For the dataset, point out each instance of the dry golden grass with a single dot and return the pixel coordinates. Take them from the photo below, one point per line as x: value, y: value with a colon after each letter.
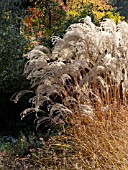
x: 90, y: 143
x: 102, y: 142
x: 94, y: 144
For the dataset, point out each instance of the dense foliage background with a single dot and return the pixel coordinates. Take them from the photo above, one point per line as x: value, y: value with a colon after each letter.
x: 11, y: 62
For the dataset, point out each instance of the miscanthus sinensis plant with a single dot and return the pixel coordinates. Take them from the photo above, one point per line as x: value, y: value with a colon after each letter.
x: 89, y: 63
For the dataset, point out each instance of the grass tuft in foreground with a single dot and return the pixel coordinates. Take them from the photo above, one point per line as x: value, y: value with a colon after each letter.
x: 88, y: 143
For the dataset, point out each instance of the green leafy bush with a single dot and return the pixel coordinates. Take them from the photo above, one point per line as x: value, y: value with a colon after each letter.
x: 12, y: 46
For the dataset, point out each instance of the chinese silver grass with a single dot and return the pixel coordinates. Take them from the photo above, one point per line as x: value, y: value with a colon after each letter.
x: 86, y: 55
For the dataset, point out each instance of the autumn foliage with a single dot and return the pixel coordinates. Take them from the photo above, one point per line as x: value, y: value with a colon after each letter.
x: 46, y: 18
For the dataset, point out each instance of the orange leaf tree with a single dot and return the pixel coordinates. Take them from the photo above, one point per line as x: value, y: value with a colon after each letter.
x: 44, y: 19
x: 50, y: 18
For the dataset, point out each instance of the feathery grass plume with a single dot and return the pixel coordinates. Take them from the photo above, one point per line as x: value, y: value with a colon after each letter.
x: 87, y: 64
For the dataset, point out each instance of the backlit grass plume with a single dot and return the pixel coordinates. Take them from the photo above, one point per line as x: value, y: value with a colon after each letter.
x: 88, y: 64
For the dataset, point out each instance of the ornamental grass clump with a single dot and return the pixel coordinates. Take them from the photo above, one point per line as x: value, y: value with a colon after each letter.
x: 86, y: 67
x: 81, y: 93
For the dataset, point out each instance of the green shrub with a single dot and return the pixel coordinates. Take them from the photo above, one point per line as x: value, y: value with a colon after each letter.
x: 12, y: 46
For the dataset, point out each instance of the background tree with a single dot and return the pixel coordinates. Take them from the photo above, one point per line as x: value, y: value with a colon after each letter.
x: 100, y: 9
x: 52, y: 18
x: 121, y: 6
x: 12, y: 47
x: 45, y: 20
